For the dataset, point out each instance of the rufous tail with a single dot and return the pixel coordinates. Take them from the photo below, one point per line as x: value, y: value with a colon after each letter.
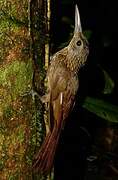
x: 43, y: 161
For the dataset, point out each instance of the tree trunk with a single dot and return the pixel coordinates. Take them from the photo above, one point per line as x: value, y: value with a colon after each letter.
x: 21, y: 70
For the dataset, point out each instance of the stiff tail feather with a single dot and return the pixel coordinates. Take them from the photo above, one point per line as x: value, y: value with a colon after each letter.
x: 43, y: 161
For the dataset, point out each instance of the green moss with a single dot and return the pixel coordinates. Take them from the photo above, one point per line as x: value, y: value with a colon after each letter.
x: 15, y: 81
x: 2, y: 155
x: 1, y: 164
x: 20, y: 119
x: 14, y: 176
x: 8, y: 112
x: 17, y: 77
x: 4, y: 25
x: 20, y: 135
x: 14, y: 11
x: 29, y: 159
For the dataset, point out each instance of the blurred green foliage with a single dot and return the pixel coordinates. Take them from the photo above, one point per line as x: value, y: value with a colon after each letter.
x: 102, y: 109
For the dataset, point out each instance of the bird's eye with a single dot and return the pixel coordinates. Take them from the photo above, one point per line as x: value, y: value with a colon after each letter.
x: 79, y: 43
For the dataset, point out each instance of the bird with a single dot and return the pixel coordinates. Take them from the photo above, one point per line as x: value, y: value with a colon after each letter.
x: 62, y: 86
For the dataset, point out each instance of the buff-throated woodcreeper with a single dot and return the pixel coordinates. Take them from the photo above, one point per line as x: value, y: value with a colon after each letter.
x: 62, y: 83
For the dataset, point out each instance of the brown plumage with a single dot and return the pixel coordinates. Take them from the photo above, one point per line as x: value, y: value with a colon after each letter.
x: 62, y: 83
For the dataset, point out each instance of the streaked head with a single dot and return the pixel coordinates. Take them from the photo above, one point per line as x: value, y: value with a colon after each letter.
x: 78, y: 46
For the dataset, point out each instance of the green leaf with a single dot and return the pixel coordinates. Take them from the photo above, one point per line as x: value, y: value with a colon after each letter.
x: 102, y: 109
x: 109, y: 83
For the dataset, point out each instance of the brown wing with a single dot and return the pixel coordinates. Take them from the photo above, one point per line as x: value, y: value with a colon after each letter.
x: 63, y: 87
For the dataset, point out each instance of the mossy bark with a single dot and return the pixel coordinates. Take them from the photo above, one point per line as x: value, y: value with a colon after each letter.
x: 21, y: 125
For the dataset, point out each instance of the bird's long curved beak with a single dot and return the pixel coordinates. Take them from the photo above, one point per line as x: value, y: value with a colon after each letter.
x: 78, y: 27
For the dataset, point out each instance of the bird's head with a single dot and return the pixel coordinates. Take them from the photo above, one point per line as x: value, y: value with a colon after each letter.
x: 78, y: 46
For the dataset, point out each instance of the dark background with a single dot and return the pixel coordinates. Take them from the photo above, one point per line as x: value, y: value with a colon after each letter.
x: 82, y: 130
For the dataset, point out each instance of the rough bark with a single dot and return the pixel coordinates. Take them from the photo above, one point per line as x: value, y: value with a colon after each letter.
x: 21, y: 124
